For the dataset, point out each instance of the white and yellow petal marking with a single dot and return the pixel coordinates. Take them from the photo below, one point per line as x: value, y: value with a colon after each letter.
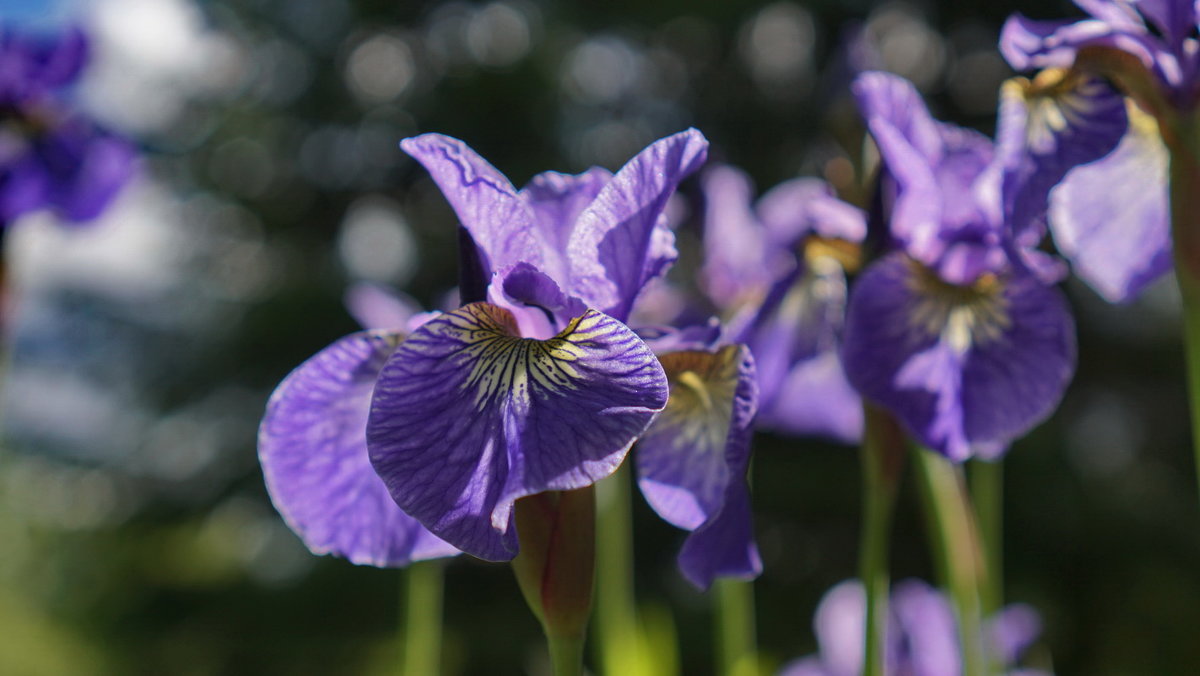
x: 963, y: 315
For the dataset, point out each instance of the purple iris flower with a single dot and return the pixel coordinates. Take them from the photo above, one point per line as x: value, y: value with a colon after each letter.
x: 1159, y: 33
x: 49, y: 156
x: 313, y: 445
x: 542, y: 386
x: 1110, y: 218
x: 921, y: 639
x: 692, y: 461
x: 777, y: 271
x: 962, y: 340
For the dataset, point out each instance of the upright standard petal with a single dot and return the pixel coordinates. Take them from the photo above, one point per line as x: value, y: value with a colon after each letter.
x: 692, y: 461
x: 467, y: 417
x: 965, y: 368
x: 313, y: 448
x: 612, y: 249
x: 501, y: 223
x: 736, y: 264
x: 1111, y: 218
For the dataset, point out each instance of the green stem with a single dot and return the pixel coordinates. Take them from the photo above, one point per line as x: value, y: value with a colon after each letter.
x: 956, y: 547
x: 735, y: 627
x: 882, y: 459
x: 987, y: 492
x: 423, y: 618
x: 1185, y: 234
x: 616, y: 612
x: 566, y: 655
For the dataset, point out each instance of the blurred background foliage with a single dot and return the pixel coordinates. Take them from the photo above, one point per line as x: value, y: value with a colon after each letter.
x: 136, y: 534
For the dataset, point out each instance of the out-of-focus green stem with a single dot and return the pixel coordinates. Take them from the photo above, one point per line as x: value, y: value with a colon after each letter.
x: 566, y: 655
x: 423, y: 583
x: 882, y: 460
x: 1182, y: 141
x: 616, y: 612
x: 956, y: 547
x: 736, y: 643
x: 987, y: 493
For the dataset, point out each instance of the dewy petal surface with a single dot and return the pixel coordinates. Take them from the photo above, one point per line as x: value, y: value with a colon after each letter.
x: 313, y: 448
x: 1111, y: 218
x: 692, y: 461
x: 962, y: 368
x: 467, y: 417
x: 614, y: 250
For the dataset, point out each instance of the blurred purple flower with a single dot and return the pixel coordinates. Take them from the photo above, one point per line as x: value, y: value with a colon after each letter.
x: 965, y: 342
x: 692, y: 461
x: 777, y: 271
x: 1159, y: 33
x: 1111, y: 218
x: 51, y: 157
x: 921, y: 639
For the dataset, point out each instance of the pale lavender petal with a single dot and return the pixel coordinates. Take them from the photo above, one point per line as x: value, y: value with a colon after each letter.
x: 802, y: 207
x: 1013, y: 630
x: 930, y: 634
x: 313, y: 448
x: 808, y: 666
x: 891, y: 99
x: 735, y: 247
x: 376, y: 307
x: 795, y: 339
x: 614, y: 250
x: 1111, y: 218
x: 839, y: 624
x: 958, y: 366
x: 816, y: 399
x: 499, y: 220
x: 467, y: 417
x: 557, y: 200
x: 936, y: 216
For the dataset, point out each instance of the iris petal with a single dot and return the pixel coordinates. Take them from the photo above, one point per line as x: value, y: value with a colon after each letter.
x: 614, y: 250
x: 964, y: 369
x: 467, y: 417
x: 313, y: 449
x: 692, y: 461
x: 1111, y: 217
x: 501, y: 223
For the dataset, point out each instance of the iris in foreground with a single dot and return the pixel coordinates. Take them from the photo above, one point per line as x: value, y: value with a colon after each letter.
x: 487, y: 425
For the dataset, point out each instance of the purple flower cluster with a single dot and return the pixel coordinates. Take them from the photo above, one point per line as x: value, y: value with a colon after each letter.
x: 540, y: 387
x: 921, y: 639
x: 51, y: 157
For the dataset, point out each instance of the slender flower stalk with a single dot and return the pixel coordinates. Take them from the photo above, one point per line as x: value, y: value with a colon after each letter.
x: 987, y: 493
x: 1185, y: 231
x: 736, y: 628
x: 616, y: 613
x: 555, y: 569
x: 423, y: 583
x: 882, y: 461
x: 955, y: 541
